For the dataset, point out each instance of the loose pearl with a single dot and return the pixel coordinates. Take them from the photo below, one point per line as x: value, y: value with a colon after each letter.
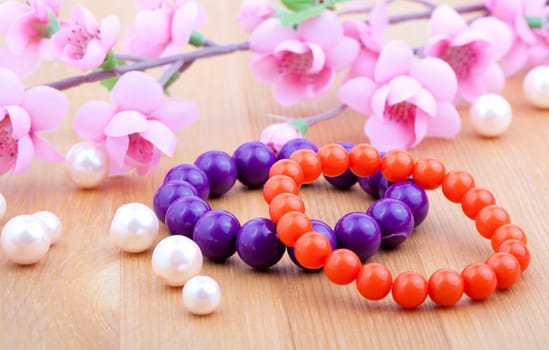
x: 490, y: 115
x: 51, y: 223
x: 3, y: 206
x: 24, y: 240
x: 134, y: 227
x: 87, y: 165
x: 201, y: 295
x: 176, y: 259
x: 536, y: 86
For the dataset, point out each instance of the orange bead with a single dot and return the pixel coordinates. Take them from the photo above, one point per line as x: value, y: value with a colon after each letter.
x: 410, y: 290
x: 289, y: 168
x: 285, y: 203
x: 364, y: 160
x: 479, y: 281
x: 334, y: 159
x: 445, y: 287
x: 397, y: 165
x: 475, y: 200
x: 291, y: 226
x: 342, y: 266
x: 278, y: 184
x: 309, y: 162
x: 374, y: 281
x: 505, y: 233
x: 506, y: 267
x: 490, y: 219
x: 456, y: 183
x: 518, y: 250
x: 429, y: 173
x: 312, y: 249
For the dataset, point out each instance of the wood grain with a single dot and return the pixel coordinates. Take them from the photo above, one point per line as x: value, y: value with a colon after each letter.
x: 87, y: 295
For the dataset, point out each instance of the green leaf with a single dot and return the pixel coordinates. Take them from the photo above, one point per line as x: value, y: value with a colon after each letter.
x: 300, y: 124
x: 298, y: 5
x: 53, y: 25
x: 109, y: 82
x: 109, y: 63
x: 293, y: 19
x: 196, y: 39
x: 534, y: 22
x: 170, y: 81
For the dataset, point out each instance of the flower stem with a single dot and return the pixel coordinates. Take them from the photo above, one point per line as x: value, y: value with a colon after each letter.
x: 129, y: 57
x: 427, y: 14
x: 425, y: 3
x: 144, y: 65
x: 325, y: 116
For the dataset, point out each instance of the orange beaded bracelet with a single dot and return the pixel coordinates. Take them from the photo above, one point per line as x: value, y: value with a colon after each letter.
x: 373, y: 280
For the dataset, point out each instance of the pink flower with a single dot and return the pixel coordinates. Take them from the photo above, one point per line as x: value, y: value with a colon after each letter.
x: 22, y: 115
x: 138, y: 126
x: 82, y: 42
x: 161, y: 24
x: 371, y: 37
x: 25, y: 28
x: 406, y: 100
x: 276, y: 135
x: 301, y: 63
x: 253, y: 13
x: 472, y: 52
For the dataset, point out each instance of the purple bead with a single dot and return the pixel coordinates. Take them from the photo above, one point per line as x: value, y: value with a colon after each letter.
x: 258, y: 245
x: 183, y: 214
x: 383, y: 185
x: 294, y: 145
x: 360, y: 233
x: 370, y: 184
x: 168, y: 193
x: 253, y: 161
x: 395, y: 220
x: 325, y: 230
x: 215, y: 233
x: 345, y: 180
x: 414, y: 197
x: 193, y: 175
x: 220, y: 169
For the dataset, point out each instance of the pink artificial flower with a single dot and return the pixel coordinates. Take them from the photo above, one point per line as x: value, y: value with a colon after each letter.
x: 22, y: 115
x: 162, y: 24
x: 301, y: 63
x: 25, y: 28
x: 253, y: 13
x: 138, y: 126
x: 472, y: 52
x: 406, y: 100
x: 371, y: 37
x: 513, y: 12
x: 276, y: 135
x: 82, y: 42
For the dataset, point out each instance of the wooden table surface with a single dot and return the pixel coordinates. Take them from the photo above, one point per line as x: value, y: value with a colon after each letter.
x: 87, y: 295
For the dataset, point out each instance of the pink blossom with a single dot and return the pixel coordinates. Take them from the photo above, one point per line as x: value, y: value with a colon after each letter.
x: 138, y: 126
x: 406, y: 100
x: 301, y: 63
x: 84, y: 43
x: 26, y: 32
x: 472, y: 52
x: 22, y: 115
x: 161, y: 25
x: 276, y: 135
x: 253, y: 13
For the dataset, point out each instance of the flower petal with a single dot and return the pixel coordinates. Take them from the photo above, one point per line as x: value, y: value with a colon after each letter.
x: 126, y: 123
x: 140, y: 46
x: 145, y: 169
x: 379, y: 101
x: 437, y: 77
x: 93, y: 57
x: 110, y: 31
x: 9, y: 11
x: 425, y: 101
x: 289, y: 91
x: 357, y: 94
x: 446, y: 21
x: 386, y: 134
x: 45, y: 151
x: 364, y: 65
x: 21, y: 32
x: 343, y: 54
x: 83, y: 17
x: 23, y: 65
x: 175, y: 113
x: 20, y: 121
x: 294, y: 46
x: 420, y: 127
x: 269, y: 34
x: 447, y: 122
x: 319, y: 58
x: 91, y: 119
x: 161, y: 137
x: 25, y: 153
x: 499, y: 33
x: 116, y: 148
x: 470, y: 89
x: 515, y: 59
x: 12, y: 91
x: 324, y: 30
x: 322, y: 82
x: 46, y: 106
x: 402, y: 88
x: 137, y: 91
x: 153, y: 26
x: 265, y: 68
x: 494, y: 78
x: 183, y: 23
x: 395, y: 59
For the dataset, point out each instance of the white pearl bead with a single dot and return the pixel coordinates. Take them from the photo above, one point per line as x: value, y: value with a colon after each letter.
x: 24, y: 240
x: 51, y: 223
x: 490, y: 115
x: 176, y: 259
x: 134, y: 228
x: 201, y: 295
x: 536, y: 86
x: 3, y: 206
x: 87, y: 164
